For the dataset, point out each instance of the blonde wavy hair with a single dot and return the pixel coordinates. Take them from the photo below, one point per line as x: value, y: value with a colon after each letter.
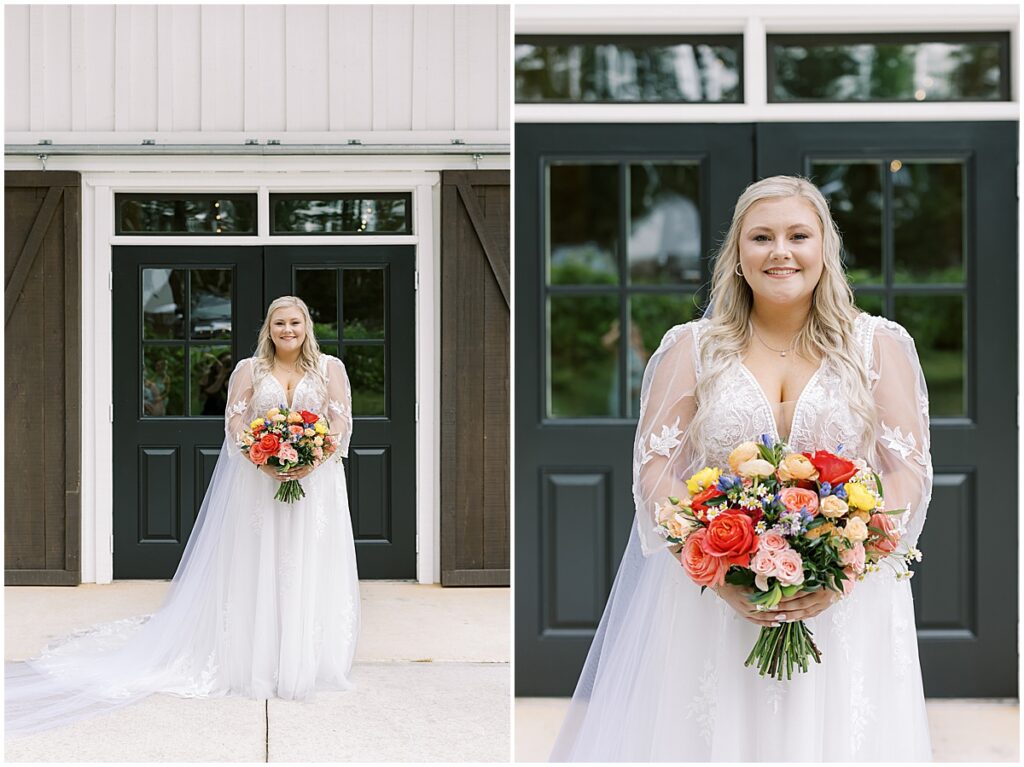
x: 828, y: 333
x: 309, y: 354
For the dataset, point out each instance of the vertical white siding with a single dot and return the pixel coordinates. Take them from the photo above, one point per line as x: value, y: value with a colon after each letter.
x: 256, y: 68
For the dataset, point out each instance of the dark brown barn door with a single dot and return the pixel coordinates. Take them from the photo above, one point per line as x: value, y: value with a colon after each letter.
x: 475, y: 295
x: 42, y: 279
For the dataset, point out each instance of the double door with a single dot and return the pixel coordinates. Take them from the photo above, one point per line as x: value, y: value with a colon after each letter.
x: 617, y: 226
x: 183, y: 317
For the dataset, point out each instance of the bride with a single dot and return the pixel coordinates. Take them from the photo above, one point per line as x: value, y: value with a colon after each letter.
x: 782, y: 351
x: 265, y: 601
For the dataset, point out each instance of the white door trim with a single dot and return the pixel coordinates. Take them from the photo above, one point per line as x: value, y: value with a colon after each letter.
x: 98, y: 239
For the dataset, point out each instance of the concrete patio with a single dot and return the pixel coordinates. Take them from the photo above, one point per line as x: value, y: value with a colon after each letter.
x: 432, y: 676
x: 962, y: 730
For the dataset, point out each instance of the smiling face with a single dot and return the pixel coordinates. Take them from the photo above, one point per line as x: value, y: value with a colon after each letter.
x: 781, y: 250
x: 287, y: 329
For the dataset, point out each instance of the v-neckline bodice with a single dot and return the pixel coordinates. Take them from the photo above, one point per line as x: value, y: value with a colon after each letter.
x: 284, y: 390
x: 767, y: 403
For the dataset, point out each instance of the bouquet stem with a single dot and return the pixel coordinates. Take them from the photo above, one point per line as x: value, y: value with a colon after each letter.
x: 289, y: 491
x: 779, y: 648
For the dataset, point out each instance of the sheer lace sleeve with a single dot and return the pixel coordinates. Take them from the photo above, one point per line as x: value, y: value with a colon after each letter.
x: 662, y: 452
x: 339, y: 403
x: 902, y: 443
x: 237, y: 414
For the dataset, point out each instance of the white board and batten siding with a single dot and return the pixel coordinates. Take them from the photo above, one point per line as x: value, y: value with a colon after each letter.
x: 227, y: 73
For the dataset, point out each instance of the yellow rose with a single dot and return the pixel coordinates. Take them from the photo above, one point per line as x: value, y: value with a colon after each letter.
x: 796, y: 466
x: 272, y: 412
x: 833, y: 506
x: 294, y: 417
x: 745, y: 452
x: 678, y: 526
x: 855, y: 531
x: 756, y: 467
x: 859, y: 497
x: 278, y: 418
x: 309, y: 432
x: 702, y: 480
x: 320, y: 427
x: 257, y: 422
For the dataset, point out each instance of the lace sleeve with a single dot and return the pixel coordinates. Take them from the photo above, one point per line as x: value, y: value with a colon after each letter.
x: 662, y: 452
x: 239, y: 407
x: 902, y: 442
x: 339, y: 403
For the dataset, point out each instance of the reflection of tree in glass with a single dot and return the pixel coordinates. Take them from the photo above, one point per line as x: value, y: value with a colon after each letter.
x: 890, y: 71
x: 365, y: 367
x: 854, y: 194
x: 928, y: 221
x: 651, y: 315
x: 582, y: 366
x: 583, y: 223
x: 936, y: 324
x: 187, y: 215
x: 825, y: 72
x: 976, y: 70
x: 348, y: 214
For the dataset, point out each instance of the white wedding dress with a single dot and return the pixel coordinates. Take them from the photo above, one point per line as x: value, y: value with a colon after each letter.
x: 665, y: 680
x: 265, y: 601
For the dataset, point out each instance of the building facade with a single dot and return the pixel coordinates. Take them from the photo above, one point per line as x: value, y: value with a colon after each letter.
x: 179, y: 167
x: 636, y: 130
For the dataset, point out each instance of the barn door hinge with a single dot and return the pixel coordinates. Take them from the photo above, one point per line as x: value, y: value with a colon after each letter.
x: 417, y: 412
x: 110, y: 411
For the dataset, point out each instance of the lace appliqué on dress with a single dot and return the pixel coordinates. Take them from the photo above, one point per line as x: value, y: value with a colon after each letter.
x: 704, y: 707
x: 662, y: 444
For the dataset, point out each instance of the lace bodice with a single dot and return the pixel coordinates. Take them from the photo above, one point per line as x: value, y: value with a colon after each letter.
x: 330, y: 394
x: 666, y: 451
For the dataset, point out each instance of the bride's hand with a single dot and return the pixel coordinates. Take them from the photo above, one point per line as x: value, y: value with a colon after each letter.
x: 807, y: 604
x: 298, y: 472
x: 271, y: 471
x: 737, y: 597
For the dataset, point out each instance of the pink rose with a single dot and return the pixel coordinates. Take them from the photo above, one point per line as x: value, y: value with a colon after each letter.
x: 257, y: 454
x: 886, y: 543
x: 763, y: 565
x: 287, y: 453
x: 796, y: 498
x: 318, y: 453
x: 849, y: 581
x: 789, y: 567
x: 773, y: 542
x: 702, y: 567
x: 853, y: 558
x: 295, y: 430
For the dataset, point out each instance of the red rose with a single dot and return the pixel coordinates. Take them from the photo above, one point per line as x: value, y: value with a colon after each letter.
x: 732, y: 537
x: 701, y: 566
x: 269, y: 443
x: 831, y: 468
x: 308, y: 417
x: 697, y: 503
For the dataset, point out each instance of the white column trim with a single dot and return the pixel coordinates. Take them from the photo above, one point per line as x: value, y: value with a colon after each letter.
x: 98, y: 188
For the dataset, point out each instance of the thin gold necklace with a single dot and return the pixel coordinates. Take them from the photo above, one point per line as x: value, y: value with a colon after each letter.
x: 780, y: 352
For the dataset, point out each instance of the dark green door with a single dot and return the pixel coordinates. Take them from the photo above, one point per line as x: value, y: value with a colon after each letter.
x: 928, y: 215
x: 607, y: 239
x: 183, y: 316
x: 929, y: 220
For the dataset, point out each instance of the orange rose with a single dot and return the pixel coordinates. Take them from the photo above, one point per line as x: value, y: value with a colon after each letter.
x: 703, y: 568
x: 731, y: 537
x: 257, y: 454
x: 796, y: 498
x: 886, y: 542
x: 270, y: 443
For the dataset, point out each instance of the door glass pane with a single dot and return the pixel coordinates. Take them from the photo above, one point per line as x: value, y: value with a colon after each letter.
x: 185, y: 214
x: 365, y: 368
x: 210, y: 368
x: 163, y: 303
x: 937, y: 326
x: 342, y: 213
x: 210, y: 298
x: 897, y: 67
x: 583, y: 356
x: 363, y: 303
x: 319, y: 289
x: 651, y: 315
x: 928, y: 221
x: 583, y: 224
x: 645, y: 69
x: 163, y: 380
x: 664, y: 223
x: 854, y: 191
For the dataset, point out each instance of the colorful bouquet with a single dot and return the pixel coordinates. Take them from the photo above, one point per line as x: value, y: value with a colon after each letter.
x: 288, y: 439
x: 779, y: 523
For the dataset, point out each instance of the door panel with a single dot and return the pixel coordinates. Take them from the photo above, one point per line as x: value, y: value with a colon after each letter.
x: 943, y: 263
x: 607, y: 240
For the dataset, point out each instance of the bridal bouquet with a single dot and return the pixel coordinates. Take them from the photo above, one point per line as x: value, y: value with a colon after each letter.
x: 288, y: 439
x: 779, y: 523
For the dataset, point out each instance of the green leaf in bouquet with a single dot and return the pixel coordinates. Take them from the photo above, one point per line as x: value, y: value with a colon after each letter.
x: 717, y: 501
x: 816, y: 522
x: 894, y: 512
x: 878, y: 484
x: 673, y: 500
x: 788, y: 591
x: 738, y: 576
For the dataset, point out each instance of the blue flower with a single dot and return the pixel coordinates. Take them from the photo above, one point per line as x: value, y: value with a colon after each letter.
x: 840, y: 492
x: 839, y: 448
x: 766, y: 440
x: 826, y: 489
x: 725, y: 483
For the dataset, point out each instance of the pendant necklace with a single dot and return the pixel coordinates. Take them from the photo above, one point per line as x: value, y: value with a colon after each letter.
x: 780, y: 352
